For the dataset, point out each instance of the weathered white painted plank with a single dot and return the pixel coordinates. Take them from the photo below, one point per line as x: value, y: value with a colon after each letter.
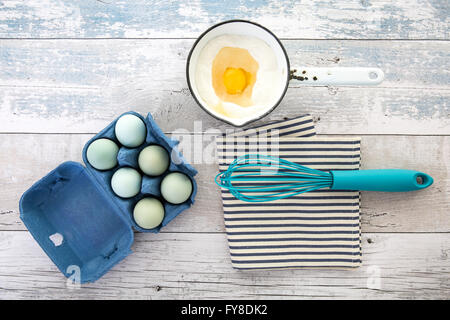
x: 79, y: 86
x: 196, y: 266
x: 161, y: 63
x: 25, y: 158
x: 337, y: 111
x: 312, y: 19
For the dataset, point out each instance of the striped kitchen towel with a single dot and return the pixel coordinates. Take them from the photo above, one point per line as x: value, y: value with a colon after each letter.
x: 314, y: 229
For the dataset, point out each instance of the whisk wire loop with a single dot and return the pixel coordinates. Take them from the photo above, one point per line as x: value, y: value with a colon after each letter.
x: 260, y: 178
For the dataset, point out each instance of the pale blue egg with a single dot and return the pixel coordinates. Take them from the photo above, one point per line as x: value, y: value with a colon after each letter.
x: 126, y: 182
x: 176, y: 187
x: 153, y: 160
x: 148, y: 213
x: 102, y: 154
x: 130, y: 130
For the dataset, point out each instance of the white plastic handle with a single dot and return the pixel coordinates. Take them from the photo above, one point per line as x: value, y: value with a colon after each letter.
x: 337, y: 76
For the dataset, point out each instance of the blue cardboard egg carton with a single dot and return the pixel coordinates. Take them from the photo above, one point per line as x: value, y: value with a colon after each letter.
x: 78, y: 204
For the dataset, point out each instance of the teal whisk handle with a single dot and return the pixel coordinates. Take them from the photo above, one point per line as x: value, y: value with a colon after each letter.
x: 380, y: 180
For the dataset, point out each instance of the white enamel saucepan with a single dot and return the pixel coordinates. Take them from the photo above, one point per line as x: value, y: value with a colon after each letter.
x: 307, y: 76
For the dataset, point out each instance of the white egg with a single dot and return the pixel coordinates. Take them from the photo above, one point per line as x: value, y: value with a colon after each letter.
x: 176, y: 187
x: 148, y: 213
x: 126, y: 182
x: 153, y: 160
x: 102, y: 154
x: 130, y: 131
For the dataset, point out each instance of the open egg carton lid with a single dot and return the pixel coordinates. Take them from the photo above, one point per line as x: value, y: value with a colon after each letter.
x: 77, y: 219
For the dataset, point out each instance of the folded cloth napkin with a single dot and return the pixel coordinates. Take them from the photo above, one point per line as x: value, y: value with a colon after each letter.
x: 314, y: 229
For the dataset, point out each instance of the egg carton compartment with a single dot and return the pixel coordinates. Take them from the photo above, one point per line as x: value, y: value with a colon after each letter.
x: 150, y: 186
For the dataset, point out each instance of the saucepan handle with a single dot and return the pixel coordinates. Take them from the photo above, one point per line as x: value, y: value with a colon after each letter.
x: 337, y: 76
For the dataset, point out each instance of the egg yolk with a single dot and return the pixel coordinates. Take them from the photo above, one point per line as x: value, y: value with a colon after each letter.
x: 234, y: 75
x: 235, y: 80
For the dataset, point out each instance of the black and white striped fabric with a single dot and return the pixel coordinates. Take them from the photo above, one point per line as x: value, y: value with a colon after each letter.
x: 314, y: 229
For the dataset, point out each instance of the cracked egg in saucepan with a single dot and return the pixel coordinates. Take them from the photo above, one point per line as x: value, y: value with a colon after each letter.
x: 238, y: 76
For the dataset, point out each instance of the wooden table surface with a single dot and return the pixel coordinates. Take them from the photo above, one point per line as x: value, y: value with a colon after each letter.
x: 67, y: 68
